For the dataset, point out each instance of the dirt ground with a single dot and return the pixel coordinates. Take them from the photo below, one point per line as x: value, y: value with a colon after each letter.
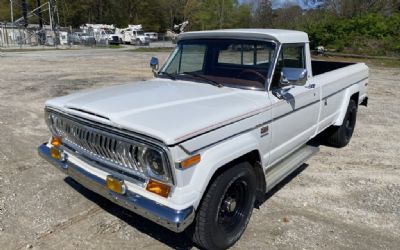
x: 341, y: 199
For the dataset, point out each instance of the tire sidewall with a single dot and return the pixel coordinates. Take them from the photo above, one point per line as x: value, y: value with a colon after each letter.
x: 242, y: 171
x: 351, y: 110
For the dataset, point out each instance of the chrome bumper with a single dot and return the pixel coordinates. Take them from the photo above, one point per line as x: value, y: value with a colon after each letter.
x: 175, y: 220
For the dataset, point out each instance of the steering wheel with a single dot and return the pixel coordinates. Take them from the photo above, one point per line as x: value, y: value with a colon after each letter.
x: 254, y: 72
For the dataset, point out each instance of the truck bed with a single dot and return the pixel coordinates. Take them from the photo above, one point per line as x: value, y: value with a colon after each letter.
x: 320, y: 67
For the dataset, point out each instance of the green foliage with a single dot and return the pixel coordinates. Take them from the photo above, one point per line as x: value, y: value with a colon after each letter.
x: 373, y: 34
x: 350, y: 26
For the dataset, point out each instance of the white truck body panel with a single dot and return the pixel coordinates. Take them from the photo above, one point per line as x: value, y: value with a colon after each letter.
x: 279, y: 35
x: 140, y: 107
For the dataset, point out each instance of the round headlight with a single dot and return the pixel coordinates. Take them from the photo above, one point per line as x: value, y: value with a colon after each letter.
x: 153, y: 160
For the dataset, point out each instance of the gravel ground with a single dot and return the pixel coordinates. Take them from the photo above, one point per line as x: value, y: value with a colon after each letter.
x: 341, y: 199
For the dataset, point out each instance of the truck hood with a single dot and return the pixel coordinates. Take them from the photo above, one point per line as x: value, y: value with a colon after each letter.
x: 170, y: 111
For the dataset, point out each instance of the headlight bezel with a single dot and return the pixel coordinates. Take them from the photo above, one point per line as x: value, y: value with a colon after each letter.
x: 164, y: 177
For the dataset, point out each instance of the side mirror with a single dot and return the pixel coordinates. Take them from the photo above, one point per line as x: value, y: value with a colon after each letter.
x: 293, y: 76
x: 154, y: 64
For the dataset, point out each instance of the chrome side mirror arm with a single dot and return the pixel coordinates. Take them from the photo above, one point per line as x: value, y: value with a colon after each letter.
x: 154, y: 64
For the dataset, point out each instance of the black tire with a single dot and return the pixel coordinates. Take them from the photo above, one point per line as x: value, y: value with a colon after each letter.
x: 339, y: 136
x: 226, y: 208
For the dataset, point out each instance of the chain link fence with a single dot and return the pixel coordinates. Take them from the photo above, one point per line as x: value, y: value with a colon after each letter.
x: 19, y: 36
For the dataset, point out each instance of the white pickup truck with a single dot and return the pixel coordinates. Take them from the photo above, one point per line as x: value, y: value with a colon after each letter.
x: 227, y: 117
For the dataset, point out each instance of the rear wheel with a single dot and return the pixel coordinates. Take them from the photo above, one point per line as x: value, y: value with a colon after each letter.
x: 226, y: 208
x: 339, y: 136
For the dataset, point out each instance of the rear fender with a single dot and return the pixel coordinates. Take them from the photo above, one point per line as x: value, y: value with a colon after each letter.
x: 349, y: 92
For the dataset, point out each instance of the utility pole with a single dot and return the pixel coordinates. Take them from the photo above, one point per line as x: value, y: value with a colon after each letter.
x: 54, y: 20
x: 12, y: 19
x: 12, y: 12
x: 221, y: 17
x: 39, y: 14
x: 25, y: 13
x: 50, y: 15
x: 41, y: 33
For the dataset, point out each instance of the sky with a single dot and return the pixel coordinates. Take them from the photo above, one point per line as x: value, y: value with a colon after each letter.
x: 304, y: 4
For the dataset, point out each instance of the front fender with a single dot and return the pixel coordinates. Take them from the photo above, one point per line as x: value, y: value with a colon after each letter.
x: 218, y: 156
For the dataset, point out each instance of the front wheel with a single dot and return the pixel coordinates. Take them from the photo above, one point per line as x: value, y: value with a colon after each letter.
x: 226, y: 208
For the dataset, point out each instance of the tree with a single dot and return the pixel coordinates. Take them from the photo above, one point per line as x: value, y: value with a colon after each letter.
x: 263, y: 14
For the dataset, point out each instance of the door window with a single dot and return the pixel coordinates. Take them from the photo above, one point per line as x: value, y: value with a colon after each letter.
x: 291, y: 56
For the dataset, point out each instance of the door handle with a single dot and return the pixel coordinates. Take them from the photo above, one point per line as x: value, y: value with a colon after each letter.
x: 311, y: 86
x: 277, y: 95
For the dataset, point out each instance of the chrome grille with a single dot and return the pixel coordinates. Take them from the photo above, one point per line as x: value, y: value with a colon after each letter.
x: 98, y: 144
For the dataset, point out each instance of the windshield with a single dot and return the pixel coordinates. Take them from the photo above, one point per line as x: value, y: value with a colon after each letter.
x: 233, y: 63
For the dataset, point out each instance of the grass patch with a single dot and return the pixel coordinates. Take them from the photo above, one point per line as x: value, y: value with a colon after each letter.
x: 387, y: 63
x: 33, y: 50
x: 115, y: 46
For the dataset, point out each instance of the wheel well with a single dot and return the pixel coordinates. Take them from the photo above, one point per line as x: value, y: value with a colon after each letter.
x: 254, y: 159
x: 354, y: 97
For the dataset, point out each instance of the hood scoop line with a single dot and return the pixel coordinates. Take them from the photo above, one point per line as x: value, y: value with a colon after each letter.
x: 89, y: 113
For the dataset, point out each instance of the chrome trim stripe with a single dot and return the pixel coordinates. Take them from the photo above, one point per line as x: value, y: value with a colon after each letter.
x: 340, y: 90
x: 294, y: 110
x: 225, y: 139
x: 175, y: 220
x: 222, y: 124
x: 262, y: 124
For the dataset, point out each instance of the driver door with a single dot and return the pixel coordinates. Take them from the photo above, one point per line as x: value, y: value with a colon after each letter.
x: 295, y: 106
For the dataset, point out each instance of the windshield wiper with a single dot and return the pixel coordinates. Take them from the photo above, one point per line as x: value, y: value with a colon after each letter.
x: 212, y: 82
x: 171, y: 76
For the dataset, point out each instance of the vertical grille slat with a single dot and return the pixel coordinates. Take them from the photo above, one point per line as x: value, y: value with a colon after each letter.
x: 95, y: 142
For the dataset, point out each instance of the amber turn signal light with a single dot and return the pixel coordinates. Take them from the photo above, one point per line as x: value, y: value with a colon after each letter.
x: 56, y: 154
x: 158, y: 188
x: 56, y: 141
x: 190, y: 161
x: 115, y: 184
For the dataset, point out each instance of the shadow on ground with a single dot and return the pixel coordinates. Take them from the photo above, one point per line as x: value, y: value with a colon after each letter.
x: 173, y: 240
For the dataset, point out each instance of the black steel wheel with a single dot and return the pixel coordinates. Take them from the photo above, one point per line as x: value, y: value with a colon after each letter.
x: 232, y: 206
x: 226, y: 208
x: 340, y: 136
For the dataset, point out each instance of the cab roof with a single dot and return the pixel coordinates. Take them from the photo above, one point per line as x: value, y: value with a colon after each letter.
x: 278, y: 35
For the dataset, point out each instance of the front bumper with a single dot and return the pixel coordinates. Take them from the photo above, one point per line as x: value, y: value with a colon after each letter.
x: 175, y: 220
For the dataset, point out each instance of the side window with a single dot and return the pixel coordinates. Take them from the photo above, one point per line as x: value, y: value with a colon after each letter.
x: 264, y: 54
x: 187, y: 58
x: 250, y: 54
x: 291, y: 56
x: 232, y: 54
x: 192, y: 58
